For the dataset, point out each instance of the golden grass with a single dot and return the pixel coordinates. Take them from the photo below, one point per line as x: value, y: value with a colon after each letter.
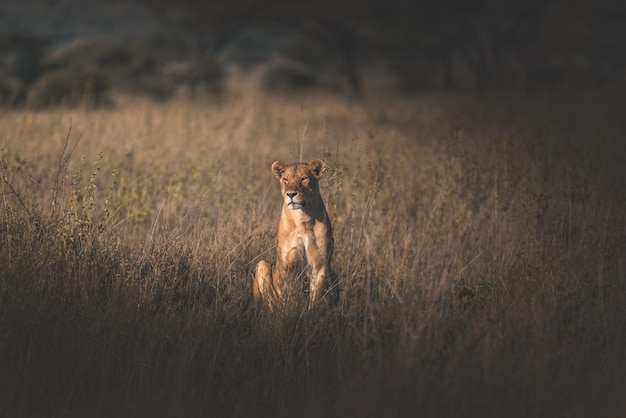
x: 479, y: 245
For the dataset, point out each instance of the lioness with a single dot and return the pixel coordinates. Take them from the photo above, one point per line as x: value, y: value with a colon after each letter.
x: 305, y: 237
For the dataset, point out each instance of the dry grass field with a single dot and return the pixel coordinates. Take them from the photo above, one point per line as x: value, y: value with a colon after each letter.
x: 479, y: 243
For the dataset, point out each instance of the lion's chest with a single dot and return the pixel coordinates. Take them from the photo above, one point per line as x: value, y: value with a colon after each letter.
x: 299, y: 243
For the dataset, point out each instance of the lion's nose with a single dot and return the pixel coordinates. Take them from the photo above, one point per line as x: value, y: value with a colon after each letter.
x: 291, y: 194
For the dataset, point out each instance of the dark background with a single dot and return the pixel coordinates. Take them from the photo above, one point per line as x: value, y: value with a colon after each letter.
x: 70, y: 51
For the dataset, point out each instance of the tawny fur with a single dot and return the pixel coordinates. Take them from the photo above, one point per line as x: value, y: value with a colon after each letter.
x: 305, y: 238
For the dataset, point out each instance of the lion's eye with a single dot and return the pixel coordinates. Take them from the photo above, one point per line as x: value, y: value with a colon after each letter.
x: 304, y: 181
x: 285, y: 180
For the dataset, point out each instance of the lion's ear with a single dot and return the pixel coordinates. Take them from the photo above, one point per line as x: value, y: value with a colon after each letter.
x: 278, y: 167
x: 317, y: 167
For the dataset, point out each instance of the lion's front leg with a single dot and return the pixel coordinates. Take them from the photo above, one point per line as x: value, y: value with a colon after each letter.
x: 318, y: 281
x: 264, y: 288
x: 286, y: 265
x: 318, y: 262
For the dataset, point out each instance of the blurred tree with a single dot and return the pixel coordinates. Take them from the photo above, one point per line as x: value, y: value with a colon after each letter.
x: 483, y: 34
x: 500, y: 43
x: 21, y: 57
x: 508, y: 43
x: 334, y: 24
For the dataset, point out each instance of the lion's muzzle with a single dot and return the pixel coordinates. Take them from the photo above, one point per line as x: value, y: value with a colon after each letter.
x: 292, y: 201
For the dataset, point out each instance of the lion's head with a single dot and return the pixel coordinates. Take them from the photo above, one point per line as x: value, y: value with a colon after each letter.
x: 299, y: 182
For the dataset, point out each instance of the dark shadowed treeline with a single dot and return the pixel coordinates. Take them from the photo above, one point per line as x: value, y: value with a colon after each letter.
x: 346, y: 48
x: 453, y: 44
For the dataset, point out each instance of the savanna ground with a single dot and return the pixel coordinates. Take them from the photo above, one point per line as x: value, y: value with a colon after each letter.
x: 480, y: 246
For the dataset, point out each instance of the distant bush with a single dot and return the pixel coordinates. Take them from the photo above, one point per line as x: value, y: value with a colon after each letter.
x: 104, y: 54
x: 12, y: 91
x: 155, y: 68
x: 83, y: 72
x: 201, y: 75
x: 70, y: 87
x: 20, y: 65
x: 21, y: 56
x: 210, y: 74
x: 284, y: 79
